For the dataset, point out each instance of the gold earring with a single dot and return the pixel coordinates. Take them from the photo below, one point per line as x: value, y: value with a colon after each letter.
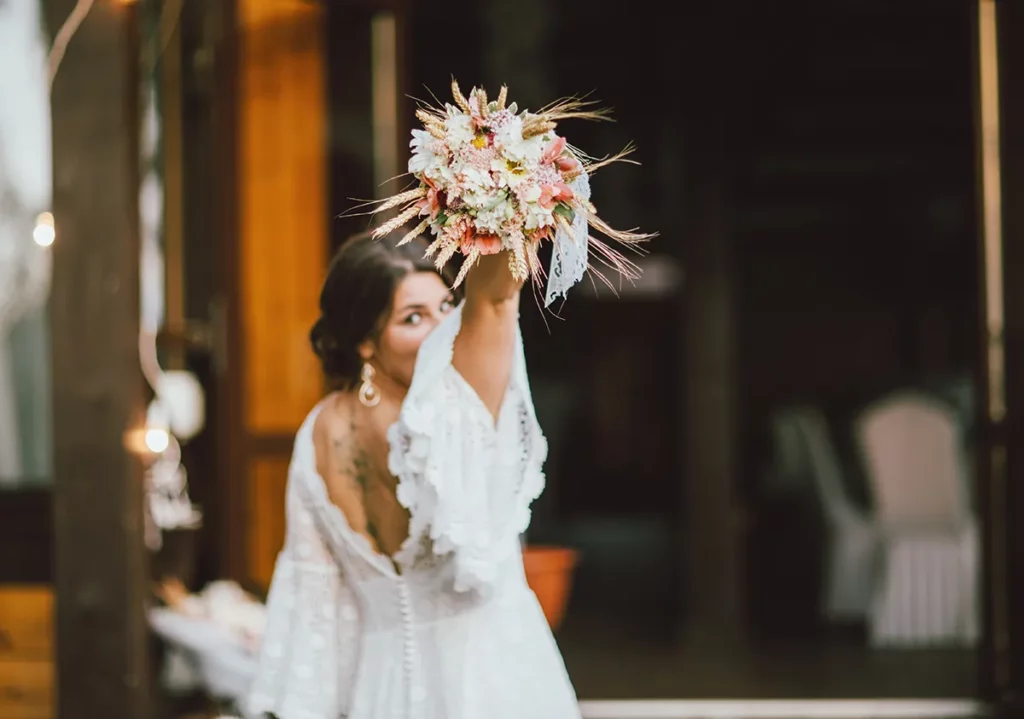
x: 369, y: 395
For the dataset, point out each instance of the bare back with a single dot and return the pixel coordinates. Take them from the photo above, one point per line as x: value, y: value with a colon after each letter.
x: 351, y: 456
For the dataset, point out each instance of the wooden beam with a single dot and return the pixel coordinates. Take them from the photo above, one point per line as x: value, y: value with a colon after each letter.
x: 100, y: 559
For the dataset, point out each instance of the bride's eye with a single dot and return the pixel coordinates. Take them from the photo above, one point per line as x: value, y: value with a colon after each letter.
x: 414, y: 319
x: 447, y: 306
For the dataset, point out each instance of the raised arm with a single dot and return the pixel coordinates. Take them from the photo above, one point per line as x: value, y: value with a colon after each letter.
x: 485, y: 347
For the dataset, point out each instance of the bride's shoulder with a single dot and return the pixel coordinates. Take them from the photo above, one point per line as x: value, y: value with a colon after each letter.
x: 333, y: 438
x: 331, y: 420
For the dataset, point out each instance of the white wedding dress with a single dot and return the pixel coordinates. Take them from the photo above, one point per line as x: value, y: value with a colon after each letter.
x: 454, y: 632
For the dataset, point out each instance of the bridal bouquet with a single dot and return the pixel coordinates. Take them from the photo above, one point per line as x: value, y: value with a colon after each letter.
x: 492, y: 178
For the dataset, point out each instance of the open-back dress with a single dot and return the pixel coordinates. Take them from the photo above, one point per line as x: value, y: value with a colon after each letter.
x: 447, y: 628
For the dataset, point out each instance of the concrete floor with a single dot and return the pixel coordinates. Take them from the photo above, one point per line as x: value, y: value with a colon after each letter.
x: 623, y: 665
x: 784, y: 709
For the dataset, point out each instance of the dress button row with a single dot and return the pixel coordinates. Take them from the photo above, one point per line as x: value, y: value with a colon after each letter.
x: 405, y: 605
x: 416, y: 693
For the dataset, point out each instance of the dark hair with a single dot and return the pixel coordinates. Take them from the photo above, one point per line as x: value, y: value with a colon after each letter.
x: 357, y: 295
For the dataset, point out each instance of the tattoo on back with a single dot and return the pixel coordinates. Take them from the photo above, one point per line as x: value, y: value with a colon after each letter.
x: 356, y: 466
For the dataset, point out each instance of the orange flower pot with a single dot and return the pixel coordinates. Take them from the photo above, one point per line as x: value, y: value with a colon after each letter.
x: 549, y: 572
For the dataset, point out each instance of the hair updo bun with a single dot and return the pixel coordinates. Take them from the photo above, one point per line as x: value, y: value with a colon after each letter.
x: 356, y: 299
x: 335, y: 364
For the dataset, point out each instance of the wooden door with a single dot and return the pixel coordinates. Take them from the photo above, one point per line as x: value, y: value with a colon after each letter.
x: 278, y: 260
x: 294, y: 105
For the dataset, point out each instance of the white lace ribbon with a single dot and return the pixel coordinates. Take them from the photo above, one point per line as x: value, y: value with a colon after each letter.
x: 569, y: 254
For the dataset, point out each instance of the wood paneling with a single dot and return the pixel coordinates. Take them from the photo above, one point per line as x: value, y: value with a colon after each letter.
x: 26, y: 649
x: 282, y: 187
x: 26, y: 689
x: 26, y: 622
x: 266, y: 525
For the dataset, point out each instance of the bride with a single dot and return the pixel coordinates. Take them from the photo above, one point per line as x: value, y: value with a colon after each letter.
x: 400, y: 591
x: 407, y: 597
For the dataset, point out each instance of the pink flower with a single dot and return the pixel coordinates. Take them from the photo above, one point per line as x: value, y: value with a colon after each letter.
x: 433, y: 202
x: 486, y: 244
x: 566, y: 163
x: 551, y: 195
x: 556, y: 148
x: 556, y: 155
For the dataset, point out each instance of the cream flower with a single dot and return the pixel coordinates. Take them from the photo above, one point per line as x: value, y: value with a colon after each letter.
x: 493, y: 217
x: 509, y: 133
x: 425, y: 158
x: 458, y: 130
x: 510, y: 140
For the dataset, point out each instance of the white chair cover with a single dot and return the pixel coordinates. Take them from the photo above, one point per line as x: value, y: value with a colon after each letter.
x: 928, y: 595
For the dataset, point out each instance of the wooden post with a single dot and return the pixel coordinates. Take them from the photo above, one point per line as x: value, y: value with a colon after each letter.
x: 1000, y: 114
x: 714, y: 617
x: 714, y: 601
x: 100, y: 560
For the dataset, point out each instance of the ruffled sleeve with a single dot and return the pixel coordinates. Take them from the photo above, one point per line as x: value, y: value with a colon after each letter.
x: 310, y: 646
x: 467, y: 482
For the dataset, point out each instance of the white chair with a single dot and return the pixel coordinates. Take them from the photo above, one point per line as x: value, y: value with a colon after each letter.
x: 928, y: 593
x: 804, y: 443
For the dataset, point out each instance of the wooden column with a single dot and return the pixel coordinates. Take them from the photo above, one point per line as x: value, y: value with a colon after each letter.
x: 713, y: 539
x: 100, y: 559
x: 711, y: 449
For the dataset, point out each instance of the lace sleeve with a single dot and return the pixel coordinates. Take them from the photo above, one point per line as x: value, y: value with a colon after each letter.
x: 311, y: 642
x: 467, y: 483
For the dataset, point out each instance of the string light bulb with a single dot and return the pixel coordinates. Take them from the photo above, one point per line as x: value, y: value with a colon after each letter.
x: 157, y: 440
x: 157, y: 429
x: 44, y: 232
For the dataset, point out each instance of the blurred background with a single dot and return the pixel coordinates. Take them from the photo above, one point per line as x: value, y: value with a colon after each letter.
x: 772, y: 457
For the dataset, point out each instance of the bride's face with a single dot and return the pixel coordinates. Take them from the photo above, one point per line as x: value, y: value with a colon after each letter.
x: 421, y: 301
